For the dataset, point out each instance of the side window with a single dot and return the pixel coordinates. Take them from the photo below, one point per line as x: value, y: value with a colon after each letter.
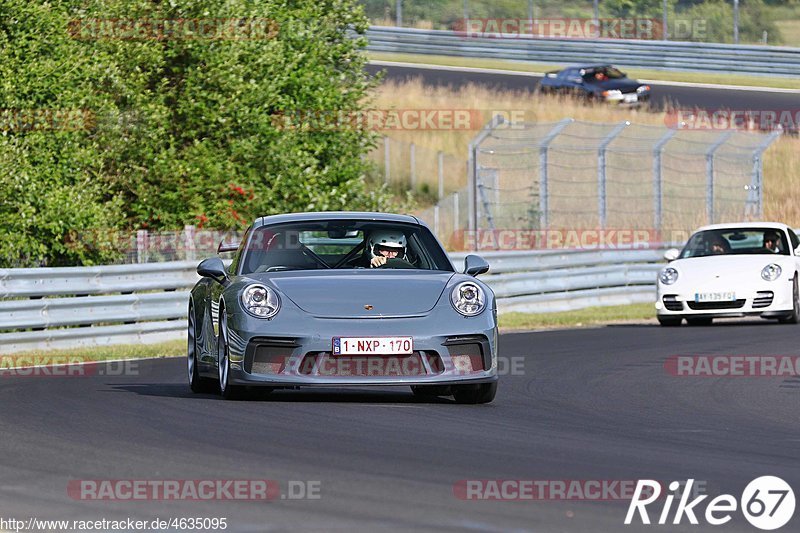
x: 795, y: 240
x: 566, y: 73
x: 237, y: 256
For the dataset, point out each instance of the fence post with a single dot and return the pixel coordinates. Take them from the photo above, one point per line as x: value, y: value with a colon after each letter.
x: 399, y: 14
x: 472, y: 170
x: 142, y: 245
x: 544, y: 191
x: 436, y: 221
x: 755, y: 190
x: 710, y: 174
x: 440, y: 163
x: 456, y: 214
x: 188, y: 239
x: 386, y: 165
x: 413, y: 164
x: 601, y: 171
x: 658, y: 192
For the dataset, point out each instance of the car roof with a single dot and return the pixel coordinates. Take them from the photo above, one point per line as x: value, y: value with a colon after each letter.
x: 595, y: 65
x: 337, y: 215
x: 753, y: 225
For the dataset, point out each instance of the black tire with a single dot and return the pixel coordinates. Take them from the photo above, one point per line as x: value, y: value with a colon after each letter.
x: 474, y: 394
x: 197, y: 383
x: 699, y: 321
x: 794, y: 318
x: 669, y: 322
x: 228, y: 391
x: 430, y: 391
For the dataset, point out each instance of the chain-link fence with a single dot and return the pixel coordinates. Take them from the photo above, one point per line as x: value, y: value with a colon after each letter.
x: 583, y: 175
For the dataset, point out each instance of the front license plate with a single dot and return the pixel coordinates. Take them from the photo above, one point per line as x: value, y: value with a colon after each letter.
x: 372, y: 345
x: 715, y: 296
x: 629, y: 98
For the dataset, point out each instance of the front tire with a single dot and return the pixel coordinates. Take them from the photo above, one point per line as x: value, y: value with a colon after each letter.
x: 794, y: 318
x: 228, y: 391
x: 197, y: 383
x: 474, y: 394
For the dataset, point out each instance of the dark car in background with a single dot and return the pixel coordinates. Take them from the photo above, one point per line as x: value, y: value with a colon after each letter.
x: 596, y: 82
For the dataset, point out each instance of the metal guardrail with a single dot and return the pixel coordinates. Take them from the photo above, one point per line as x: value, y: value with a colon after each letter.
x: 49, y: 308
x: 665, y: 55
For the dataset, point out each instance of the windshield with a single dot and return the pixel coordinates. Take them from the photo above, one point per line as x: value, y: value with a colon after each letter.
x: 342, y: 244
x: 735, y: 241
x: 602, y: 74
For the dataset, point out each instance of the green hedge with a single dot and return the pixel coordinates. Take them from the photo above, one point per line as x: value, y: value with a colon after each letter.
x: 174, y: 130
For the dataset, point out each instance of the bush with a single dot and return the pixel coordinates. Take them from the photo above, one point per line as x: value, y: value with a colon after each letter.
x: 178, y: 131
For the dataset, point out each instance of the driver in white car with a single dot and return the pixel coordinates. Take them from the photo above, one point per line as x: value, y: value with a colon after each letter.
x: 772, y: 242
x: 385, y: 245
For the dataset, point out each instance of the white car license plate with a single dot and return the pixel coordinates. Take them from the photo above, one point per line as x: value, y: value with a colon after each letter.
x: 715, y: 296
x: 630, y: 98
x: 372, y: 345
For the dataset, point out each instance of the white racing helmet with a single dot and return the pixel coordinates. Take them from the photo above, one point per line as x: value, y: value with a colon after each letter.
x: 393, y: 239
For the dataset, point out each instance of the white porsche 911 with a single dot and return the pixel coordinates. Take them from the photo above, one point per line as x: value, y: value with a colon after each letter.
x: 731, y: 270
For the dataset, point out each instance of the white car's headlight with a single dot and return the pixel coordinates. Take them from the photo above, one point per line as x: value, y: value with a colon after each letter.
x: 668, y: 276
x: 468, y: 298
x: 771, y: 272
x: 260, y: 301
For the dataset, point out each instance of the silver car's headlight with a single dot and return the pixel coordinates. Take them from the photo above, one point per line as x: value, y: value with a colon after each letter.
x: 260, y: 301
x: 668, y: 276
x: 771, y: 272
x: 468, y: 298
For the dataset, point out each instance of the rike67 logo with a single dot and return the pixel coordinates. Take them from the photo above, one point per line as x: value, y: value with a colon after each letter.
x: 767, y: 503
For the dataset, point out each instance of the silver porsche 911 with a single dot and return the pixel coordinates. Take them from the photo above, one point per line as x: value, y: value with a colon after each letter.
x: 342, y: 299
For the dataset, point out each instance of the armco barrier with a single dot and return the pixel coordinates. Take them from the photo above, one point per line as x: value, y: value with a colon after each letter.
x: 45, y: 308
x: 665, y: 55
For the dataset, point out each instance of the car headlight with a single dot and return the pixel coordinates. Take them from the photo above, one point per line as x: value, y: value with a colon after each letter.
x: 771, y: 272
x: 668, y: 276
x: 643, y: 89
x: 260, y: 301
x: 468, y: 298
x: 614, y: 93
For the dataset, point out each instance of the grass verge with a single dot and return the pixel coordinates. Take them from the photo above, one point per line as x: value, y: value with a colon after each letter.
x: 99, y: 353
x: 647, y: 74
x: 580, y: 318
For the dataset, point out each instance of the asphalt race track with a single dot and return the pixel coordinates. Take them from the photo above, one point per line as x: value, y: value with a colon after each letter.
x: 683, y: 96
x: 589, y: 404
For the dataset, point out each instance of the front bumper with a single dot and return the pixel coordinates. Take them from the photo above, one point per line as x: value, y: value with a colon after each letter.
x: 766, y: 300
x: 296, y: 351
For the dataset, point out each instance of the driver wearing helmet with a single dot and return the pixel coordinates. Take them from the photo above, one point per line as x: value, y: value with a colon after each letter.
x: 384, y: 245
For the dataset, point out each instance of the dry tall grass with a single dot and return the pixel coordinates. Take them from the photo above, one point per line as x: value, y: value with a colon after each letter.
x: 781, y: 161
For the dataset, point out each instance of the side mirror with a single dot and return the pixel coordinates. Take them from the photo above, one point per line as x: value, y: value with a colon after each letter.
x: 475, y: 265
x: 672, y: 254
x: 213, y: 268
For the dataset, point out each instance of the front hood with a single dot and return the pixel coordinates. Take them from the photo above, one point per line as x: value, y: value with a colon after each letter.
x: 343, y: 294
x: 625, y: 85
x: 722, y: 268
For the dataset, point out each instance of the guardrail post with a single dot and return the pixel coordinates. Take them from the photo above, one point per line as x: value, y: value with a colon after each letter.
x: 658, y: 193
x: 436, y: 221
x: 755, y: 196
x: 456, y: 220
x: 386, y: 165
x: 544, y: 191
x: 722, y: 139
x: 472, y: 170
x: 601, y: 171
